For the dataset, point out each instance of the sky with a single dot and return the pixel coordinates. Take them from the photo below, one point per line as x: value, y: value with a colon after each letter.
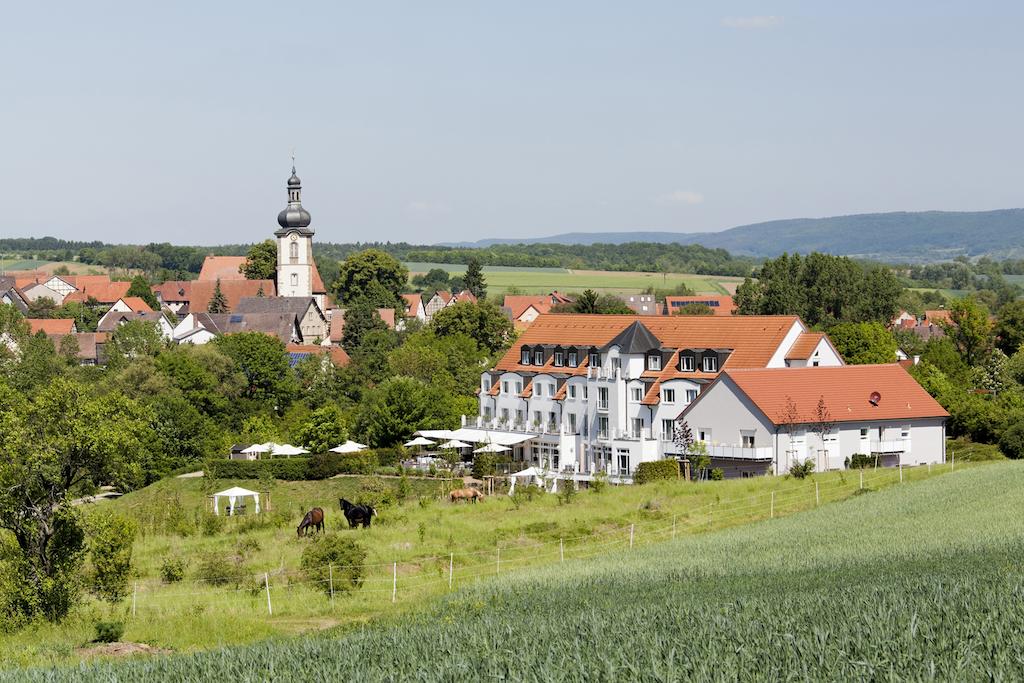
x: 445, y: 121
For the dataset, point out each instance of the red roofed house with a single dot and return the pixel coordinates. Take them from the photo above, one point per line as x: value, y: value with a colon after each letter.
x: 440, y: 299
x: 581, y: 394
x: 414, y: 307
x: 221, y: 268
x: 753, y: 420
x: 719, y: 305
x: 61, y: 326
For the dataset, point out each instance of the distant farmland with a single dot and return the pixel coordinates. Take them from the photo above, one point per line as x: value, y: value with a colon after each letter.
x: 543, y: 280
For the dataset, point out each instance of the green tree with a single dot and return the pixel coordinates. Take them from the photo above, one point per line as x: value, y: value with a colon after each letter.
x: 260, y: 262
x: 361, y: 268
x: 970, y: 329
x: 86, y: 315
x: 694, y: 309
x: 96, y: 439
x: 453, y: 361
x: 218, y: 302
x: 324, y: 429
x: 264, y: 364
x: 863, y: 343
x: 38, y: 363
x: 1009, y: 329
x: 391, y: 412
x: 140, y: 288
x: 474, y: 278
x: 109, y: 537
x: 134, y: 339
x: 43, y: 307
x: 482, y: 321
x: 361, y: 318
x: 586, y: 302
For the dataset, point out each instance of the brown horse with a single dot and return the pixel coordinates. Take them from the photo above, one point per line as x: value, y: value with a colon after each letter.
x: 465, y: 494
x: 314, y: 519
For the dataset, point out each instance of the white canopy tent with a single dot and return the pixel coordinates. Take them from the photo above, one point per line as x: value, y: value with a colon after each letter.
x: 349, y: 446
x: 455, y: 443
x: 531, y: 475
x: 258, y: 448
x: 233, y: 494
x: 419, y: 441
x: 492, y: 448
x: 477, y: 435
x: 287, y: 449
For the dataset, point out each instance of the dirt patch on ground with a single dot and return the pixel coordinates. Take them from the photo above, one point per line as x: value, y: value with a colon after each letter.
x: 121, y: 650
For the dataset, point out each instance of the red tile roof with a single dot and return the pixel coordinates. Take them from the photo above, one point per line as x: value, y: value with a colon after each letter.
x: 318, y: 283
x: 336, y: 353
x: 937, y: 315
x: 517, y: 304
x: 198, y: 294
x: 104, y: 292
x: 846, y: 389
x: 221, y: 267
x: 720, y: 305
x: 412, y: 302
x: 137, y: 304
x: 59, y: 326
x: 804, y: 346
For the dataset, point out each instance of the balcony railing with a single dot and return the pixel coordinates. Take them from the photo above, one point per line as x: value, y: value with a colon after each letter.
x: 740, y: 453
x: 890, y: 446
x: 602, y: 405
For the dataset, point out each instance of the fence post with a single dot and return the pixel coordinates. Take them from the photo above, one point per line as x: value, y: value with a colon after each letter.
x: 952, y: 462
x: 135, y: 592
x: 451, y: 565
x: 929, y: 467
x: 394, y: 581
x: 771, y: 512
x: 901, y: 473
x: 330, y: 575
x: 674, y: 525
x: 862, y: 478
x: 266, y: 583
x: 497, y: 566
x: 631, y: 536
x: 817, y: 497
x: 561, y: 550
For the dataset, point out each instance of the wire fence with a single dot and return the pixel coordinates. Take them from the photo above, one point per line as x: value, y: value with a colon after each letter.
x: 289, y: 591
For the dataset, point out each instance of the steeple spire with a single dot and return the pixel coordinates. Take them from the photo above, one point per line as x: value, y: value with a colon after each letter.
x: 294, y: 217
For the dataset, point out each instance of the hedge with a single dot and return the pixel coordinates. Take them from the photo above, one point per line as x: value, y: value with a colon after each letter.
x: 659, y: 469
x: 297, y: 469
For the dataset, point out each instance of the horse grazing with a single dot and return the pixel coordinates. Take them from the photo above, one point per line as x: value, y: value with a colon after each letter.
x: 357, y: 514
x: 314, y: 519
x: 465, y: 494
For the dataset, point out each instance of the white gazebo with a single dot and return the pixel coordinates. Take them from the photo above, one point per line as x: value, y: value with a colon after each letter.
x: 531, y: 475
x: 349, y: 446
x: 259, y: 449
x: 233, y: 494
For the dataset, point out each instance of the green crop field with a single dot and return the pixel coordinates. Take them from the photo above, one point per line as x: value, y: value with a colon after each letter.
x: 915, y: 582
x: 409, y: 551
x: 544, y: 280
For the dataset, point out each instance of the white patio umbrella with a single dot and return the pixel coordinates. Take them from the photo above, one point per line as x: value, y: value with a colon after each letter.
x: 492, y: 448
x: 455, y: 443
x: 259, y: 448
x: 287, y: 450
x: 349, y: 446
x: 420, y: 441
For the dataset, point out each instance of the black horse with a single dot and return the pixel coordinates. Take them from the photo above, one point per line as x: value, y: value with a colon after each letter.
x: 314, y: 520
x: 357, y: 514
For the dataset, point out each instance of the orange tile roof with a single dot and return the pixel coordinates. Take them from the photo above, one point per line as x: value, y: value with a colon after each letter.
x: 336, y: 353
x: 412, y: 302
x: 318, y: 283
x: 937, y: 315
x: 720, y: 305
x: 527, y: 391
x: 60, y: 326
x: 137, y: 304
x: 173, y: 290
x: 222, y: 267
x: 104, y: 292
x: 388, y: 316
x: 338, y: 325
x: 518, y: 305
x: 84, y: 282
x: 234, y: 291
x: 846, y: 390
x: 753, y: 339
x: 804, y: 346
x: 465, y: 295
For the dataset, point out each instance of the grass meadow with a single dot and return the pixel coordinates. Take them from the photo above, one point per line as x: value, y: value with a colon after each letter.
x: 410, y: 549
x: 921, y: 581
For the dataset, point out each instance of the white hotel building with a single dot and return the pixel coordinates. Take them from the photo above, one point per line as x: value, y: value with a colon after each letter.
x: 582, y: 394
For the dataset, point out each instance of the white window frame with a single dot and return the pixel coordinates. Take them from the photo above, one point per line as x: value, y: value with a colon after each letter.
x: 654, y: 362
x: 559, y: 359
x: 636, y: 427
x: 572, y: 391
x: 709, y: 363
x: 691, y: 395
x: 538, y: 357
x: 667, y: 429
x: 636, y: 394
x: 573, y: 359
x: 687, y: 364
x: 668, y: 395
x: 524, y: 357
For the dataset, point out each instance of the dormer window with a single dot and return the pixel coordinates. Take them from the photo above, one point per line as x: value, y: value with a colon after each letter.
x: 710, y: 364
x: 686, y: 364
x: 524, y: 356
x: 538, y: 357
x: 559, y: 359
x: 595, y: 359
x: 573, y: 359
x: 654, y: 362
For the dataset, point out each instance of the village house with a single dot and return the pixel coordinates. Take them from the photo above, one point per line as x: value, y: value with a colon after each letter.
x: 719, y: 305
x: 312, y: 321
x: 201, y: 328
x: 52, y: 326
x: 757, y: 421
x: 114, y: 319
x: 10, y: 294
x: 582, y: 394
x: 642, y: 304
x: 414, y: 307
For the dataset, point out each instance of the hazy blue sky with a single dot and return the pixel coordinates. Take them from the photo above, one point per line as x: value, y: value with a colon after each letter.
x: 435, y: 121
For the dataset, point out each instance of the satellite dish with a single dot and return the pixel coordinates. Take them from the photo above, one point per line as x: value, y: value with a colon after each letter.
x: 874, y: 398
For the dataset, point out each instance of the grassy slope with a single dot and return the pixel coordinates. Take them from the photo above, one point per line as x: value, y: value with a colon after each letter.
x: 187, y: 617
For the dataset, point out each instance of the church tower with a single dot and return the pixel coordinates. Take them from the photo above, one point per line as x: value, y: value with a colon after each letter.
x: 295, y: 266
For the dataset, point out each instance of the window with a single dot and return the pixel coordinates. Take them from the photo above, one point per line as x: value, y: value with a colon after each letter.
x: 814, y: 363
x: 524, y: 357
x: 710, y: 363
x: 586, y: 428
x: 686, y: 363
x: 572, y: 391
x: 595, y: 359
x: 905, y: 432
x: 704, y: 434
x: 616, y: 363
x: 504, y: 414
x: 520, y: 416
x: 602, y: 427
x: 295, y: 278
x: 623, y: 462
x: 536, y: 417
x: 554, y: 462
x: 636, y: 425
x: 572, y: 359
x: 519, y: 387
x: 668, y: 395
x: 863, y: 433
x: 293, y: 250
x: 552, y: 420
x: 487, y: 383
x: 558, y: 359
x: 602, y: 398
x: 691, y: 395
x: 585, y: 392
x: 636, y: 394
x: 654, y: 362
x: 487, y: 413
x: 504, y: 387
x: 748, y: 440
x: 538, y: 357
x: 667, y: 428
x: 572, y: 423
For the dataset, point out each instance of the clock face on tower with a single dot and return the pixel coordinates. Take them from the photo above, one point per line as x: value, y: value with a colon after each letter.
x: 294, y: 237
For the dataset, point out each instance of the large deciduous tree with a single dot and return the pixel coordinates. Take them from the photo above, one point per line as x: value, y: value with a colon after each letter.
x: 482, y: 321
x: 264, y: 364
x: 361, y: 268
x: 1010, y: 327
x: 863, y: 343
x: 140, y: 288
x: 970, y: 330
x: 361, y: 318
x: 61, y: 437
x: 260, y: 262
x: 391, y: 412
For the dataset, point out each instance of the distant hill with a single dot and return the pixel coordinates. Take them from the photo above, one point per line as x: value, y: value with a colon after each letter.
x: 896, y: 236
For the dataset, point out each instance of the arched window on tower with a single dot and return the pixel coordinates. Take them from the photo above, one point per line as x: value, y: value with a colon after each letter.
x: 295, y: 278
x: 293, y: 251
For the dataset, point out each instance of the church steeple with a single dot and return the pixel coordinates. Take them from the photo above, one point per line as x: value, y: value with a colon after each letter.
x: 294, y: 218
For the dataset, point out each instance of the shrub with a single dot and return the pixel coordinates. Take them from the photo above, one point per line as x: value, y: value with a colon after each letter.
x: 388, y: 457
x: 717, y: 474
x: 335, y: 555
x: 600, y: 482
x: 287, y: 469
x: 1012, y: 441
x: 210, y: 524
x: 172, y: 569
x: 566, y: 491
x: 404, y: 489
x: 218, y: 569
x: 375, y: 492
x: 660, y: 469
x: 109, y: 537
x: 859, y: 461
x: 108, y: 631
x: 329, y: 464
x: 484, y: 465
x: 801, y: 470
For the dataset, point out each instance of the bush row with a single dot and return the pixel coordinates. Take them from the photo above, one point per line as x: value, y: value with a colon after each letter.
x: 321, y: 466
x: 659, y: 469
